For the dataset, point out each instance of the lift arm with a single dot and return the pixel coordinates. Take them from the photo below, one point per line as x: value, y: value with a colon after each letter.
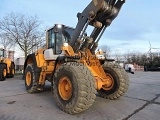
x: 99, y: 14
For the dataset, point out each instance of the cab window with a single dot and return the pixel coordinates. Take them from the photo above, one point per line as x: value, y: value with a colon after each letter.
x: 51, y: 38
x: 67, y: 34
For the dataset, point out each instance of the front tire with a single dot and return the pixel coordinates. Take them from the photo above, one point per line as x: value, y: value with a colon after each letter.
x: 120, y: 81
x: 74, y: 87
x: 3, y: 72
x: 31, y: 80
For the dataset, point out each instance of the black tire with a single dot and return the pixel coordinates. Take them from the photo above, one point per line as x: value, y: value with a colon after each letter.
x: 12, y: 71
x: 32, y: 86
x: 3, y: 72
x: 129, y: 70
x: 145, y: 68
x: 83, y: 87
x: 121, y: 81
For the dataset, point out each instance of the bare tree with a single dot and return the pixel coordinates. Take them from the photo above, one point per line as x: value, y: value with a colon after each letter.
x: 127, y: 57
x: 5, y: 41
x: 118, y: 57
x: 136, y: 57
x: 143, y: 59
x: 23, y: 30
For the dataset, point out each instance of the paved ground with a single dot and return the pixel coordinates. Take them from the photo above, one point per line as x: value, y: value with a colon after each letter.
x: 141, y: 102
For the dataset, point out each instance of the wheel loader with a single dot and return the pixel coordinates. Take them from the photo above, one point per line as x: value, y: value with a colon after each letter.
x: 7, y: 66
x: 69, y: 61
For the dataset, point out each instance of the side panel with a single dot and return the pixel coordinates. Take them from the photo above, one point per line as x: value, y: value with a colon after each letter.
x: 39, y: 56
x: 41, y: 66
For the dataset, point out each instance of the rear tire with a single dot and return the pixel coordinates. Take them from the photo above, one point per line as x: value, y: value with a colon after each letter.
x: 31, y: 80
x: 145, y: 68
x: 3, y: 72
x: 121, y: 81
x: 74, y: 87
x: 12, y: 71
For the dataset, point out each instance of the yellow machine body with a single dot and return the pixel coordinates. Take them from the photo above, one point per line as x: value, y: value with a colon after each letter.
x: 70, y: 63
x: 89, y: 60
x: 7, y: 66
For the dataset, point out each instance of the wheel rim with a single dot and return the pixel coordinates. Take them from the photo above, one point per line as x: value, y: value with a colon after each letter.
x: 4, y: 72
x: 109, y: 83
x: 65, y: 88
x: 28, y: 78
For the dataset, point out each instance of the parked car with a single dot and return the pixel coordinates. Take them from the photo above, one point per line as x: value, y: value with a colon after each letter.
x: 151, y: 68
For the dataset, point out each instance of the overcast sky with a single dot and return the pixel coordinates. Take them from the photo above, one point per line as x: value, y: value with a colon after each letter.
x: 137, y: 24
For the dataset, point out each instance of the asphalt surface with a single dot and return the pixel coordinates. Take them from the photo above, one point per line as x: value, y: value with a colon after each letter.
x: 141, y: 102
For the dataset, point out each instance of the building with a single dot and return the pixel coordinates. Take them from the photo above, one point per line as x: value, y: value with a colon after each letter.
x: 19, y: 63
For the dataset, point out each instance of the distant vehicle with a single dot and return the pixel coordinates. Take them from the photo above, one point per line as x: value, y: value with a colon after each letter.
x: 100, y: 54
x: 151, y: 68
x: 7, y: 66
x: 129, y: 68
x: 152, y: 64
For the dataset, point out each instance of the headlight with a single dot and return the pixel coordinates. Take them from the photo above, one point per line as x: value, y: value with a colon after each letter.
x: 59, y: 26
x: 65, y: 44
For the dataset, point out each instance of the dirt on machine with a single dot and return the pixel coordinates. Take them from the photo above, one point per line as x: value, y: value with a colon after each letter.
x: 7, y: 66
x: 70, y: 63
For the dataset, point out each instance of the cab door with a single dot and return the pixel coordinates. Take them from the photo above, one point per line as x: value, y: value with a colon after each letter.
x: 57, y: 36
x: 55, y: 40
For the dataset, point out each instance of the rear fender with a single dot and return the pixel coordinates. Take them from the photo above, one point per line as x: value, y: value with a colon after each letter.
x: 31, y: 59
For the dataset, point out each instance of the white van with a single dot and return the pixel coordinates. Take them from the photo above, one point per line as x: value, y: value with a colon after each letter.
x: 129, y: 68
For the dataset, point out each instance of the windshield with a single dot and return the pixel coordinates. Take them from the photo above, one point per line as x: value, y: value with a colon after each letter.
x: 1, y: 53
x: 67, y: 34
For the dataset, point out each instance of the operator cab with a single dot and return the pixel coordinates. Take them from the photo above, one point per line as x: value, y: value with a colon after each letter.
x: 2, y: 53
x: 56, y: 37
